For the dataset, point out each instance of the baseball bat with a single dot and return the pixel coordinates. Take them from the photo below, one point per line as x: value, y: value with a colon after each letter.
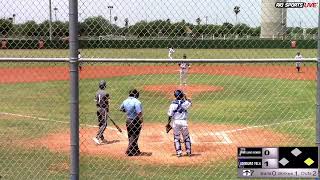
x: 168, y: 128
x: 115, y: 124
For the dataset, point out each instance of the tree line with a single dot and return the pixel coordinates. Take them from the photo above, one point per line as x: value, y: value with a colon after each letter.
x: 99, y: 26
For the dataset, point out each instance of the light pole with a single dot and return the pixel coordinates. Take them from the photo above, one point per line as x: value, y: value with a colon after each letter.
x: 13, y: 18
x: 300, y: 23
x: 55, y: 13
x: 236, y: 10
x: 206, y: 20
x: 50, y: 20
x: 110, y: 9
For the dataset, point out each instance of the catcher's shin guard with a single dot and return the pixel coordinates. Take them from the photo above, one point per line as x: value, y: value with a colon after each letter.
x: 177, y: 143
x: 187, y: 143
x: 186, y: 139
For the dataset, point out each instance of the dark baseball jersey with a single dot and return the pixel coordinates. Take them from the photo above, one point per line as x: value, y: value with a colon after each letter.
x: 102, y: 99
x: 102, y: 103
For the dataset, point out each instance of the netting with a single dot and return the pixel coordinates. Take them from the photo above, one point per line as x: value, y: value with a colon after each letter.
x: 248, y: 68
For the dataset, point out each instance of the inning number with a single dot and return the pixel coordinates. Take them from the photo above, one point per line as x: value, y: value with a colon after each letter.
x: 266, y: 163
x: 267, y: 152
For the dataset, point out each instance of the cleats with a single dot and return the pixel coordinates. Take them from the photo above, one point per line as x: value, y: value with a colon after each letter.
x: 96, y: 140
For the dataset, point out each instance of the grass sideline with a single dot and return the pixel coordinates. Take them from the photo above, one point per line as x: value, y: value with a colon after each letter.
x: 149, y: 53
x: 244, y: 101
x: 163, y: 53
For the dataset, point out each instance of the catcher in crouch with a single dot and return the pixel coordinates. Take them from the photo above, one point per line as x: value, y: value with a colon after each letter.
x: 178, y: 114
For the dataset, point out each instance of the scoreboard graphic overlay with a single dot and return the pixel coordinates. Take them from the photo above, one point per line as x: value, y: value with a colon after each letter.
x: 278, y: 162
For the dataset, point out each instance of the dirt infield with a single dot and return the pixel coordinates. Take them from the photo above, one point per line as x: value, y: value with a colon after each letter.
x: 189, y: 89
x: 211, y: 143
x: 43, y: 74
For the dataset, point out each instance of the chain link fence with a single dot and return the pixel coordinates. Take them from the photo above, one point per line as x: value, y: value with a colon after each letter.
x: 242, y: 72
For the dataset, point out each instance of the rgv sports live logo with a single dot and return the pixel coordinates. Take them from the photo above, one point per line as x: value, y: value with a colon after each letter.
x: 296, y: 4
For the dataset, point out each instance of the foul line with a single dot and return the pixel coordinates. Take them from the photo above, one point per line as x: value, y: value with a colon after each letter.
x: 227, y: 140
x: 222, y: 134
x: 52, y: 120
x: 260, y: 126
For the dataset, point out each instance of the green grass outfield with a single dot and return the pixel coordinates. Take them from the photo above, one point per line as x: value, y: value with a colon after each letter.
x: 244, y: 101
x: 163, y: 53
x: 151, y: 54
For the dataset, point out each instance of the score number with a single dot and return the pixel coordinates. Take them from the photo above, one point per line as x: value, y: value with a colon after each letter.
x: 270, y: 158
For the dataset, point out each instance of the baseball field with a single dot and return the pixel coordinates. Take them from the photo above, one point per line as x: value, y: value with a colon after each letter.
x: 261, y: 104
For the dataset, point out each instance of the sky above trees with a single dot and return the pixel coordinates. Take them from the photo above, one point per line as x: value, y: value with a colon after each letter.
x: 210, y: 12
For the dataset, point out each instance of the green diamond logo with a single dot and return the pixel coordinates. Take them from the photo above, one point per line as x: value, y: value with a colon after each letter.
x: 309, y: 161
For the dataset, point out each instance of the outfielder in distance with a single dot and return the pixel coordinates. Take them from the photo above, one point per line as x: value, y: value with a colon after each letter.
x: 170, y: 52
x: 184, y: 67
x: 102, y: 103
x: 79, y: 57
x: 178, y: 114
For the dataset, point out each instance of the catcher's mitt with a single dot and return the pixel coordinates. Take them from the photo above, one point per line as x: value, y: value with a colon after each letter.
x: 168, y: 128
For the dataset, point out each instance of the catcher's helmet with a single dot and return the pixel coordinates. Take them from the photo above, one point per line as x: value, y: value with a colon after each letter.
x: 134, y: 93
x: 178, y: 94
x: 102, y: 84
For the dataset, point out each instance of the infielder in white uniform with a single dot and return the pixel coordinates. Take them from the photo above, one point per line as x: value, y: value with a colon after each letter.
x: 178, y: 114
x: 298, y: 59
x: 184, y: 67
x: 170, y: 52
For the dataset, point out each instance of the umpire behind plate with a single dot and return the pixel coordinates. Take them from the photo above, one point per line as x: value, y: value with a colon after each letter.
x: 133, y: 109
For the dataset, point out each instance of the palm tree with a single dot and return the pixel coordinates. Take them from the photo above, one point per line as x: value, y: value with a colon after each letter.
x: 198, y: 20
x: 236, y: 10
x: 126, y: 22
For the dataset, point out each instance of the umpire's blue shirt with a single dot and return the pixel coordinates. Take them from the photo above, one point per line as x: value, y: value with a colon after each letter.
x: 132, y: 107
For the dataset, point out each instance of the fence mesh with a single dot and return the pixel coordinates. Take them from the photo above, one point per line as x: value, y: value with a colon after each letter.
x: 234, y: 104
x: 33, y: 106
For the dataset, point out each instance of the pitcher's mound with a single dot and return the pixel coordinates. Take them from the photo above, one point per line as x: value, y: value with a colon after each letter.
x: 188, y: 89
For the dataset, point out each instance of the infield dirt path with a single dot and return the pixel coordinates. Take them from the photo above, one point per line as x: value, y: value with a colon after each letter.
x: 211, y: 143
x: 43, y: 74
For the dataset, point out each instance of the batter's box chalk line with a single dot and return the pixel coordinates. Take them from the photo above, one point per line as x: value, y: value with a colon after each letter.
x: 221, y: 135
